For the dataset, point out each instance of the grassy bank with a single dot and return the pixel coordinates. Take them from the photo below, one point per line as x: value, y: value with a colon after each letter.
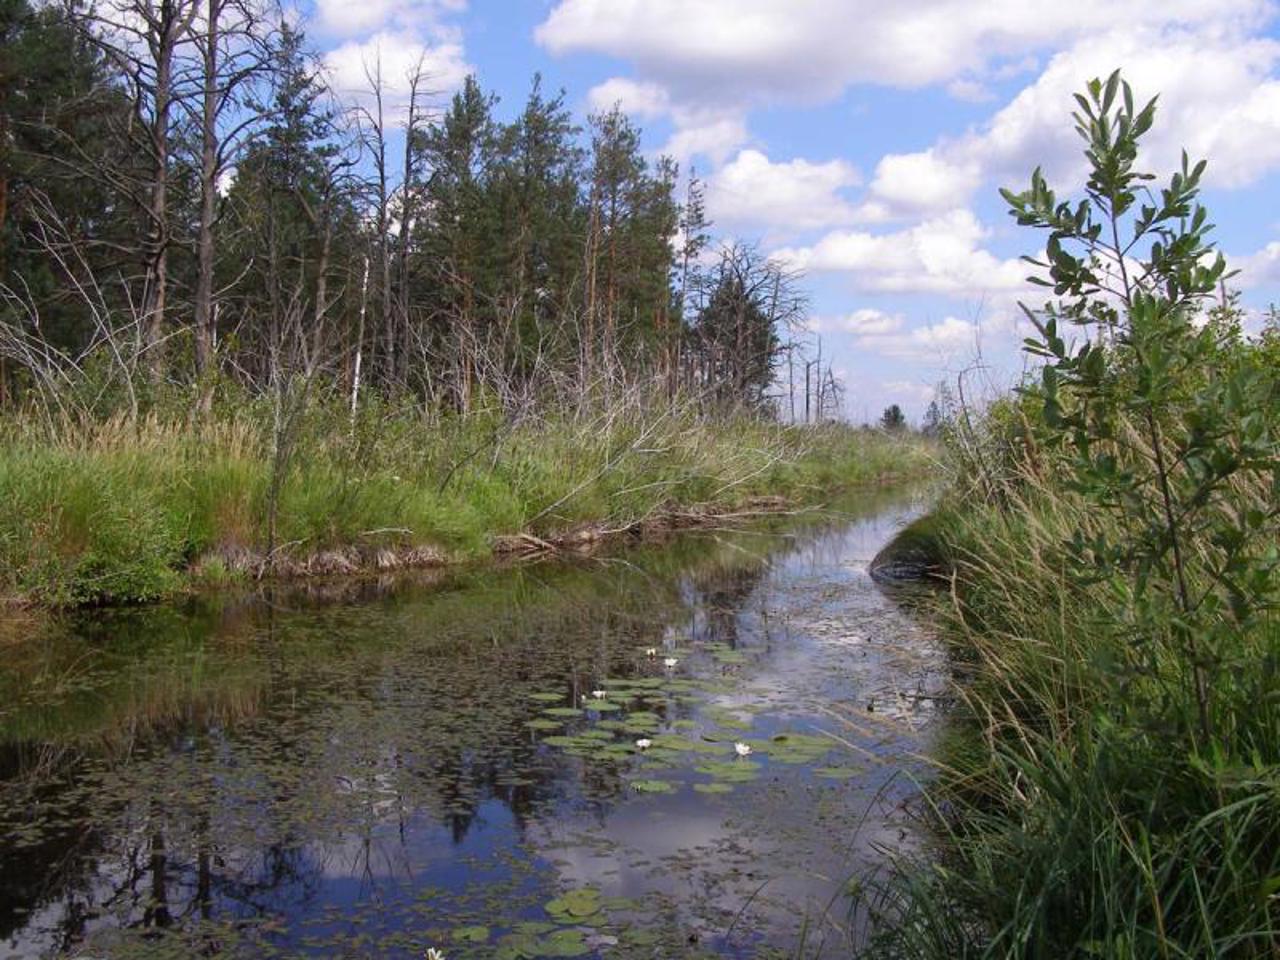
x: 1111, y: 784
x: 124, y: 511
x: 1078, y: 812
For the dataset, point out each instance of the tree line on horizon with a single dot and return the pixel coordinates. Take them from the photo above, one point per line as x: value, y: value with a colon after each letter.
x: 188, y: 210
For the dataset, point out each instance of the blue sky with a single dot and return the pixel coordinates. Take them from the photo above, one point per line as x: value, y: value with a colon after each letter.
x: 863, y: 142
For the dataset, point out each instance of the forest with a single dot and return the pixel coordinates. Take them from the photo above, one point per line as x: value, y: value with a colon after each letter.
x: 255, y: 328
x: 251, y: 324
x: 189, y: 210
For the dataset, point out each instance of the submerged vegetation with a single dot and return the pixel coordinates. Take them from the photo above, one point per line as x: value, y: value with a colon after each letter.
x: 1112, y: 786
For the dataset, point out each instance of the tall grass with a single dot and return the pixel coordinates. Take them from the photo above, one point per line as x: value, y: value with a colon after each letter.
x: 1076, y: 813
x: 130, y: 510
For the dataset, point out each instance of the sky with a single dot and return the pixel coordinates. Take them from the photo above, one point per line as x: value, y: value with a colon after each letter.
x: 864, y: 142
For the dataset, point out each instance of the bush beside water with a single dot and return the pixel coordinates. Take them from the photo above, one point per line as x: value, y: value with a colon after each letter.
x: 1111, y: 787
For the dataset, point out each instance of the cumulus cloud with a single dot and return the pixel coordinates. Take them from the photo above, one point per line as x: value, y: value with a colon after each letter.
x: 709, y: 130
x: 344, y: 19
x: 396, y: 56
x: 753, y: 191
x: 907, y: 184
x: 938, y: 343
x: 866, y: 321
x: 1219, y: 98
x: 914, y: 393
x: 941, y: 255
x: 813, y: 49
x: 635, y: 98
x: 1259, y: 269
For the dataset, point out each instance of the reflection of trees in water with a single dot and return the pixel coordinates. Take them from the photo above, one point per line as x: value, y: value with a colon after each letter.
x: 720, y: 599
x: 368, y: 725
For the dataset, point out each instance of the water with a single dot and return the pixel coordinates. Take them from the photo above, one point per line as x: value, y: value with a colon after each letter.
x: 372, y: 770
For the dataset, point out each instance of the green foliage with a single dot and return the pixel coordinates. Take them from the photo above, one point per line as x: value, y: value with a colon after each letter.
x: 893, y: 418
x: 119, y: 512
x: 1114, y: 539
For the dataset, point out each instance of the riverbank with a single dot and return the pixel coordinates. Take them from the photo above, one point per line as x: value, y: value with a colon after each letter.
x: 126, y: 512
x: 490, y: 766
x: 1108, y: 784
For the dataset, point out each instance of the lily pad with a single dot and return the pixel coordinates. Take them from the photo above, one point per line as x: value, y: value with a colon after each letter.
x: 576, y: 905
x: 563, y: 712
x: 714, y: 787
x: 652, y: 786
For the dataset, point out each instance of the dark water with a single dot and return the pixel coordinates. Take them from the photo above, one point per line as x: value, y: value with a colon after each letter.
x: 374, y: 770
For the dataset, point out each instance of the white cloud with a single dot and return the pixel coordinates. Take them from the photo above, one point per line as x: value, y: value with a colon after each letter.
x: 397, y: 55
x: 942, y: 255
x: 908, y: 184
x: 866, y: 321
x: 705, y: 132
x: 636, y: 99
x: 1258, y: 269
x: 1219, y: 98
x: 939, y: 343
x: 909, y: 391
x: 753, y: 191
x: 970, y: 90
x: 345, y: 18
x: 813, y: 49
x: 708, y: 130
x: 1217, y: 77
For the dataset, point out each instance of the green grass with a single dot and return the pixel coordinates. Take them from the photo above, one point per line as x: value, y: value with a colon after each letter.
x: 122, y: 511
x: 1076, y: 813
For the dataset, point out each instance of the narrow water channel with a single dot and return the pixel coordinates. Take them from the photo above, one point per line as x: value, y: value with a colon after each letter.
x: 544, y: 761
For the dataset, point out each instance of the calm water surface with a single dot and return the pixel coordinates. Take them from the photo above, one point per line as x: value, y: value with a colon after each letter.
x: 371, y: 770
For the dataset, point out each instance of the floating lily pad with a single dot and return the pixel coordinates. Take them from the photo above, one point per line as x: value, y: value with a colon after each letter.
x: 563, y: 712
x: 564, y: 943
x: 575, y: 905
x: 795, y: 747
x: 730, y: 771
x: 652, y: 786
x: 476, y: 934
x: 714, y: 787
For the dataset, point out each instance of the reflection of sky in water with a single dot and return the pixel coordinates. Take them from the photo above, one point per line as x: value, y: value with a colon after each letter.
x: 379, y: 786
x: 775, y: 855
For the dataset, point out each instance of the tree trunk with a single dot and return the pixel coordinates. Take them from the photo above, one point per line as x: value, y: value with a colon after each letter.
x: 208, y: 210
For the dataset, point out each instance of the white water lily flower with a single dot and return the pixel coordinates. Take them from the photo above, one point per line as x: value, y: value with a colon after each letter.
x: 670, y: 662
x: 742, y: 749
x: 651, y: 652
x: 433, y: 954
x: 599, y: 694
x: 644, y: 743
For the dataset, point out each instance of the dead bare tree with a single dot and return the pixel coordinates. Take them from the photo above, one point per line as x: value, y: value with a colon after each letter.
x: 233, y: 41
x: 146, y: 40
